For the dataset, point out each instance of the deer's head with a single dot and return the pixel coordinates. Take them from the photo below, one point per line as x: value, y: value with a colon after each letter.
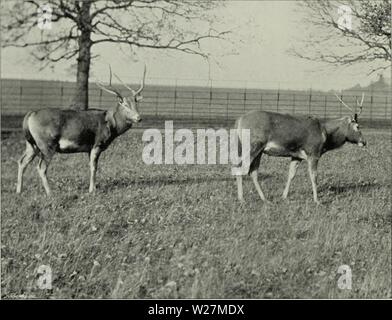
x: 127, y: 107
x: 353, y: 132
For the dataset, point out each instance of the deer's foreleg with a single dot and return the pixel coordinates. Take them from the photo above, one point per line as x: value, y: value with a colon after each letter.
x: 94, y: 156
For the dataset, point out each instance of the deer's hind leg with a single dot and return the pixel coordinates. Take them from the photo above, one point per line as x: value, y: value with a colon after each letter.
x: 312, y: 168
x: 42, y: 169
x: 253, y: 172
x: 292, y: 171
x: 46, y: 155
x: 254, y: 163
x: 23, y: 162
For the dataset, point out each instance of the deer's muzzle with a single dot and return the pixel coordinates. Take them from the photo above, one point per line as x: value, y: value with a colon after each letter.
x: 362, y: 143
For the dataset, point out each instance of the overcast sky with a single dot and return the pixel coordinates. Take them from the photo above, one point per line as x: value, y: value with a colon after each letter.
x: 267, y: 29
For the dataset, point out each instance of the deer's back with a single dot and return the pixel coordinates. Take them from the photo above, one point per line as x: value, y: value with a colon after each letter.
x: 61, y: 118
x: 67, y: 130
x: 288, y: 131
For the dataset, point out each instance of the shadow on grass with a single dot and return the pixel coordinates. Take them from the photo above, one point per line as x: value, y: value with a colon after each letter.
x: 163, y: 180
x: 105, y: 185
x: 338, y: 189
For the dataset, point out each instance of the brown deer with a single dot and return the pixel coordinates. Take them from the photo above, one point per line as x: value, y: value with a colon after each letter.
x: 51, y: 130
x: 297, y: 137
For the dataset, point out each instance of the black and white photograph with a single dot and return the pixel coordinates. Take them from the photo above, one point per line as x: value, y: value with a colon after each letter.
x: 171, y: 150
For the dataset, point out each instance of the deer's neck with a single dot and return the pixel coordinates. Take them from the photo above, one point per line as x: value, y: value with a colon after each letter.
x: 336, y: 135
x: 121, y: 124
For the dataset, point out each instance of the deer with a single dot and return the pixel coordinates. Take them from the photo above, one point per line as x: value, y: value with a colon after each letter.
x: 54, y: 130
x: 299, y: 137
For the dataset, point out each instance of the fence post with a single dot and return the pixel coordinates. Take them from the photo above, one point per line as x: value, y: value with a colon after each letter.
x: 310, y: 101
x: 41, y: 101
x: 261, y: 101
x: 156, y: 104
x: 61, y: 94
x: 227, y: 108
x: 100, y: 98
x: 245, y: 100
x: 371, y: 108
x: 340, y: 105
x: 193, y: 103
x: 277, y: 101
x: 386, y: 107
x: 325, y: 107
x: 293, y: 107
x: 210, y: 105
x: 175, y: 99
x: 20, y: 93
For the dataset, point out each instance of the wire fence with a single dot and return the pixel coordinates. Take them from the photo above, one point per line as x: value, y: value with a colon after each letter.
x: 206, y: 105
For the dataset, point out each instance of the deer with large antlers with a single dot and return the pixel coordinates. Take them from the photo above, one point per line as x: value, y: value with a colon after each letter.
x: 48, y: 131
x: 297, y: 137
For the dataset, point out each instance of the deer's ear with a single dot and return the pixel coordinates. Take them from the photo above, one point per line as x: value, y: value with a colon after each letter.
x: 138, y: 98
x: 109, y: 117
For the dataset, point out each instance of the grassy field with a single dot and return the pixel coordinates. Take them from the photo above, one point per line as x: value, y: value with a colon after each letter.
x: 170, y: 231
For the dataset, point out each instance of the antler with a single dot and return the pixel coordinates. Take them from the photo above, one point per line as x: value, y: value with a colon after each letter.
x: 135, y: 93
x: 344, y: 103
x: 144, y: 78
x: 360, y: 104
x: 111, y: 90
x: 129, y: 88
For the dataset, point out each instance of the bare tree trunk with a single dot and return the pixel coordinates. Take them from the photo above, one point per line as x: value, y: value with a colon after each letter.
x: 83, y: 70
x: 80, y: 100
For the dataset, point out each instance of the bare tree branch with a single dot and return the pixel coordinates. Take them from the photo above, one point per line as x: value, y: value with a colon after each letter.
x: 367, y: 40
x: 80, y: 25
